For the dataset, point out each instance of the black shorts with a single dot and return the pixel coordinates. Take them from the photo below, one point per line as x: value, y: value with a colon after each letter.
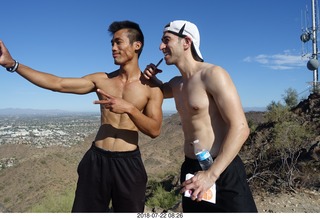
x: 233, y: 192
x: 104, y: 176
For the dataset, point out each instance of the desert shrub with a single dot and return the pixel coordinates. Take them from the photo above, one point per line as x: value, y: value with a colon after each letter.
x: 252, y: 125
x: 277, y: 146
x: 277, y: 112
x: 162, y: 198
x: 275, y: 162
x: 288, y: 138
x: 290, y: 97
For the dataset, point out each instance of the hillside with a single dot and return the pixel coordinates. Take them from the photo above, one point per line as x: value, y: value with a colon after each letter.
x: 35, y: 173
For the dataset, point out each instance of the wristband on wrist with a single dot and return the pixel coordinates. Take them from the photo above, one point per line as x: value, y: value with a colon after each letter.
x: 13, y: 68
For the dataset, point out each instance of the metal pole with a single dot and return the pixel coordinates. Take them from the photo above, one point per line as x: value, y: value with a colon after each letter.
x: 314, y: 43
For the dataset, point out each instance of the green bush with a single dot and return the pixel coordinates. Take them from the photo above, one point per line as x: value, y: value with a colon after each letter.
x: 161, y: 198
x: 290, y: 97
x: 276, y: 112
x: 277, y: 147
x: 288, y: 138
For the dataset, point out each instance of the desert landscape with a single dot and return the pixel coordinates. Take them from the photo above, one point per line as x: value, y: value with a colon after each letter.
x: 30, y: 174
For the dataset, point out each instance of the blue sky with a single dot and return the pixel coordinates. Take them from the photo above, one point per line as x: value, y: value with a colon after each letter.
x: 256, y: 41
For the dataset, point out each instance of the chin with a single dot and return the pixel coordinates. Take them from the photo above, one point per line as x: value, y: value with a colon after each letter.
x: 116, y: 62
x: 169, y: 63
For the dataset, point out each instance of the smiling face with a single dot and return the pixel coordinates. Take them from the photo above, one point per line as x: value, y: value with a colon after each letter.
x: 172, y: 47
x: 122, y: 50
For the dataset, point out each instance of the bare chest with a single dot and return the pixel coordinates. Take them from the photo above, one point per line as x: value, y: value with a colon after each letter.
x: 190, y: 98
x: 132, y: 92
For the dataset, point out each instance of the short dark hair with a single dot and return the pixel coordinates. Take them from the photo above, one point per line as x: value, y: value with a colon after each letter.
x: 134, y: 31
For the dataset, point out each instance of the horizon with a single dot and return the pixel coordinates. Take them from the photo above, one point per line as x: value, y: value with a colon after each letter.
x: 20, y: 111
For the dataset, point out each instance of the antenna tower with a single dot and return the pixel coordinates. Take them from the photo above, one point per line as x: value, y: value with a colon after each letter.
x: 311, y: 34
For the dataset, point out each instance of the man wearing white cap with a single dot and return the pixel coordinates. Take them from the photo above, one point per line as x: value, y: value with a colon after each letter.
x: 210, y: 110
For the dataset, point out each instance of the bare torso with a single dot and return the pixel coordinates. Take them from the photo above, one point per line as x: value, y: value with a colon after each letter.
x: 117, y: 131
x: 198, y: 112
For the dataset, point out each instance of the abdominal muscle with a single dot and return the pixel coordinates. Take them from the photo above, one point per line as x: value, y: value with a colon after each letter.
x: 210, y: 130
x: 118, y: 133
x: 203, y: 133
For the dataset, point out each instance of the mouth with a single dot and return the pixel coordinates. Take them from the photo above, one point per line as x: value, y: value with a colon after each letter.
x: 115, y: 55
x: 165, y: 54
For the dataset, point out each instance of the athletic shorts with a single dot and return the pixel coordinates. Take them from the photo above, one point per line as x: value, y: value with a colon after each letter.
x: 105, y: 176
x: 233, y: 192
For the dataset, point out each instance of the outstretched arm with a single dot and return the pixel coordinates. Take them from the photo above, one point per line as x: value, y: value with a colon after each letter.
x: 46, y: 80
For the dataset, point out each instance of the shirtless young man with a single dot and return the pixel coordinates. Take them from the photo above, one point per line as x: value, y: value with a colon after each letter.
x: 210, y: 110
x: 112, y: 168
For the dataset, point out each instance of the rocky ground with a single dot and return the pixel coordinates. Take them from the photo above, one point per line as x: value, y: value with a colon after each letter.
x: 303, y: 201
x: 21, y: 187
x: 36, y: 171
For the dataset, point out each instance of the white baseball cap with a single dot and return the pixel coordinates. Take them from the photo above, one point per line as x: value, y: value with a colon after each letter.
x: 184, y: 28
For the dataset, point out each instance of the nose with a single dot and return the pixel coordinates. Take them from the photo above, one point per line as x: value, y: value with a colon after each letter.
x: 162, y: 46
x: 114, y: 46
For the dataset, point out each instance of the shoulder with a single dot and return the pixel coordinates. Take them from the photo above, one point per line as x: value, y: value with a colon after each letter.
x: 95, y: 74
x: 215, y: 77
x: 99, y: 75
x: 112, y: 74
x: 209, y: 69
x: 213, y: 72
x: 150, y: 84
x: 151, y: 88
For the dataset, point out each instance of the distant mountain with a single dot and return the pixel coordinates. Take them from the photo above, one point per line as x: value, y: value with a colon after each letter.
x: 19, y: 111
x: 255, y: 109
x: 51, y: 112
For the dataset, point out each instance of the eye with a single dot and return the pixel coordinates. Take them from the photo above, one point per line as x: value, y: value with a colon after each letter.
x: 165, y: 40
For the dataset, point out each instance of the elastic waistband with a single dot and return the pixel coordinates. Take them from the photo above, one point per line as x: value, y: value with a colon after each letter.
x: 192, y: 161
x: 133, y: 153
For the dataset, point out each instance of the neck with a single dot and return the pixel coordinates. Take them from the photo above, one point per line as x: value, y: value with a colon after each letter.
x: 130, y: 71
x: 187, y: 67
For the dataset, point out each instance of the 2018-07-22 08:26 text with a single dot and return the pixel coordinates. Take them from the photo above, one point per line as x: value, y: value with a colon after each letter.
x: 160, y: 215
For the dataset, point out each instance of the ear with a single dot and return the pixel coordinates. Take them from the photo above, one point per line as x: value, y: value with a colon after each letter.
x: 137, y: 45
x: 187, y: 42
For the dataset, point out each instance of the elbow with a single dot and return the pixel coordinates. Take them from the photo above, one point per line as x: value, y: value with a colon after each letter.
x: 155, y: 134
x: 155, y: 130
x: 245, y: 131
x: 242, y: 130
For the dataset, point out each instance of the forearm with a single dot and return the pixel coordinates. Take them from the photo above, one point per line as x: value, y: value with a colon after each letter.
x: 45, y: 80
x: 147, y: 125
x: 166, y: 89
x: 156, y: 81
x: 41, y: 79
x: 55, y: 83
